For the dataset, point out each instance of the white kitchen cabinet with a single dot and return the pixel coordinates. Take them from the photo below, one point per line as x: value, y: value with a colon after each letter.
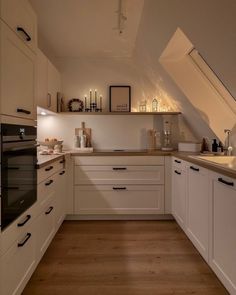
x: 179, y: 182
x: 119, y: 185
x: 18, y: 263
x: 223, y: 225
x: 197, y: 219
x: 17, y: 76
x: 119, y: 199
x: 60, y: 198
x: 48, y: 83
x: 20, y: 17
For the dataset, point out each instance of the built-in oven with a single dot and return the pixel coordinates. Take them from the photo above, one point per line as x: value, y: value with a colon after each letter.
x: 18, y: 171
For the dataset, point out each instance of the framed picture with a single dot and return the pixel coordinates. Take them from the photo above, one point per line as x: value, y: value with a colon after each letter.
x: 120, y: 98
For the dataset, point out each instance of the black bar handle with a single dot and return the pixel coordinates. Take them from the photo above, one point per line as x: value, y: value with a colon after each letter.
x: 177, y: 172
x: 225, y: 181
x: 12, y: 188
x: 49, y: 168
x: 177, y: 161
x: 25, y: 221
x: 194, y: 168
x: 49, y: 182
x: 119, y: 188
x: 49, y: 210
x: 62, y: 161
x: 21, y: 244
x: 13, y: 168
x: 20, y: 29
x: 119, y: 168
x: 23, y: 111
x: 63, y: 172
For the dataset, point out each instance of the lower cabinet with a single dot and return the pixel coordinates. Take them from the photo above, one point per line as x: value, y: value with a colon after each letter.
x: 19, y: 262
x: 60, y: 198
x: 223, y: 231
x: 197, y: 208
x: 119, y: 199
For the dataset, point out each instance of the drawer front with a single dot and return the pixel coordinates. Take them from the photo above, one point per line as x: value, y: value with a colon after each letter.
x: 49, y: 170
x: 46, y: 190
x: 10, y: 234
x: 119, y: 199
x: 20, y: 17
x: 119, y: 160
x: 18, y: 263
x: 178, y: 163
x: 45, y: 225
x: 119, y: 175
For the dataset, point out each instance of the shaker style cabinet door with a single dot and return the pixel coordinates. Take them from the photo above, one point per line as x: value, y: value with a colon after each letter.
x: 42, y: 97
x: 17, y: 76
x: 54, y: 86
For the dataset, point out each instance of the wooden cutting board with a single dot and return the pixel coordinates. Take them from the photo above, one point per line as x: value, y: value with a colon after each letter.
x: 87, y: 132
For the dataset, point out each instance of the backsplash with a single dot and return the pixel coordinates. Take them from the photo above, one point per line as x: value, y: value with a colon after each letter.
x: 111, y: 131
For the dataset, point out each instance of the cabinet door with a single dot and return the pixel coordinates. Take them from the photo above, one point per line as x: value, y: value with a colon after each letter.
x: 60, y: 198
x: 18, y: 263
x: 17, y: 76
x: 197, y: 221
x: 42, y: 97
x: 54, y: 86
x: 19, y: 15
x: 179, y: 195
x: 45, y: 227
x: 223, y: 240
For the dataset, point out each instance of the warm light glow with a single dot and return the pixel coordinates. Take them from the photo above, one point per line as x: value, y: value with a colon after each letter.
x: 43, y: 113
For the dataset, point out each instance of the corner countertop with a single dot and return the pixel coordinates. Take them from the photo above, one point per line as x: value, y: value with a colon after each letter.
x: 44, y: 160
x: 121, y: 153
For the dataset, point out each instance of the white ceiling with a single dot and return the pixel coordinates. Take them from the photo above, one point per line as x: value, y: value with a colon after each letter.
x: 86, y: 28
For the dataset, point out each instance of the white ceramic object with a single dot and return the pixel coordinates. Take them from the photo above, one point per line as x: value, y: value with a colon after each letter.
x: 50, y: 144
x: 193, y: 147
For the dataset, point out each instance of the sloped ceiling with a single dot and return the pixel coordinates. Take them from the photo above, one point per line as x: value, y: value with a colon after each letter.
x: 88, y: 28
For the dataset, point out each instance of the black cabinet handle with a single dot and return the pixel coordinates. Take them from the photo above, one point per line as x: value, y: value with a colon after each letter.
x: 119, y: 188
x: 25, y: 221
x: 12, y: 188
x: 63, y: 172
x: 23, y: 111
x: 177, y: 172
x: 194, y: 169
x: 62, y: 161
x: 49, y: 182
x: 21, y: 244
x: 225, y: 181
x: 20, y: 29
x: 119, y: 168
x: 177, y: 161
x: 49, y: 210
x: 49, y: 168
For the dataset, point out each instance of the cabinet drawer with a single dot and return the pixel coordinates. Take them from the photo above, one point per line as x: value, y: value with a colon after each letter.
x: 46, y: 190
x: 18, y: 263
x: 119, y: 174
x: 45, y: 225
x: 119, y: 160
x: 49, y: 170
x: 119, y: 199
x: 20, y: 17
x: 178, y: 163
x: 10, y: 234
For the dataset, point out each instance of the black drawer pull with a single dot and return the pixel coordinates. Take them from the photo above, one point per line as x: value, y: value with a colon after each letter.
x: 23, y: 111
x: 177, y: 172
x: 21, y: 244
x: 119, y: 188
x: 49, y: 168
x: 20, y: 29
x: 63, y: 172
x: 49, y: 182
x: 25, y: 221
x: 225, y: 181
x: 194, y: 169
x: 119, y: 168
x: 49, y: 210
x: 62, y: 162
x: 177, y: 161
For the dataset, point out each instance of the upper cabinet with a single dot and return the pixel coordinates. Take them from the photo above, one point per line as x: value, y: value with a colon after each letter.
x: 48, y: 83
x: 20, y: 17
x: 17, y: 74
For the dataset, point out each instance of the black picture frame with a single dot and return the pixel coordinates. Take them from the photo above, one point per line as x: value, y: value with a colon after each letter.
x: 119, y: 98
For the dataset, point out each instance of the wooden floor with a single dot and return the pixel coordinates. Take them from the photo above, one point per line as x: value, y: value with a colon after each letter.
x: 122, y: 257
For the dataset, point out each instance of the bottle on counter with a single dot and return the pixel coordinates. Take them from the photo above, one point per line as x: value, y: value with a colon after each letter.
x: 83, y: 140
x: 214, y: 146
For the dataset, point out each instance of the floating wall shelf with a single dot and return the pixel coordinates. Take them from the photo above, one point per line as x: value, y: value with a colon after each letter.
x: 120, y: 113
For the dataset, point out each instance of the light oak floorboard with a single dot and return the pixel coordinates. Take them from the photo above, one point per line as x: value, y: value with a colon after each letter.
x: 122, y: 257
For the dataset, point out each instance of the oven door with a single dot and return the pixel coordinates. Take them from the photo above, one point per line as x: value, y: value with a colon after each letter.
x: 19, y: 179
